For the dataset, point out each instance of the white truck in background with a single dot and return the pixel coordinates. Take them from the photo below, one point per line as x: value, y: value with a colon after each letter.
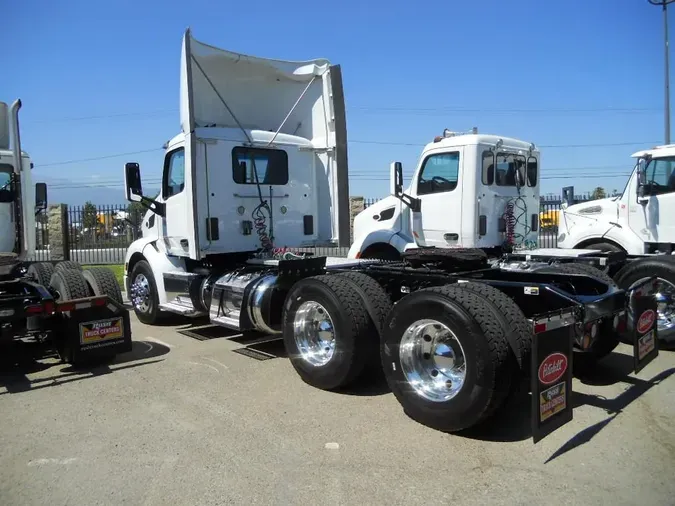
x: 472, y: 190
x: 640, y: 223
x: 260, y: 167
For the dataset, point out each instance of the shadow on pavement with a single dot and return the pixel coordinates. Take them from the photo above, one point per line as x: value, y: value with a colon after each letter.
x: 30, y: 358
x: 614, y: 369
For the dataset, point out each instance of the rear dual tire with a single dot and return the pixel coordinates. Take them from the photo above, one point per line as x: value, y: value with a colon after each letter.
x: 446, y: 356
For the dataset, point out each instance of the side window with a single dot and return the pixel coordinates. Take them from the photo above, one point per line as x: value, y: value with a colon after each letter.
x: 174, y: 173
x: 270, y: 166
x: 532, y: 171
x: 488, y: 174
x: 439, y: 174
x: 6, y: 194
x: 660, y: 176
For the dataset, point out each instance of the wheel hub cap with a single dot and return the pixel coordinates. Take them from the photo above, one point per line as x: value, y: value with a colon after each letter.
x: 139, y: 293
x: 314, y: 333
x: 432, y: 360
x: 665, y: 304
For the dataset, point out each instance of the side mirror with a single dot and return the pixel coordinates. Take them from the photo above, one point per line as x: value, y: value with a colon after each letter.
x: 642, y: 172
x: 40, y: 196
x: 396, y: 179
x: 641, y: 179
x: 132, y: 182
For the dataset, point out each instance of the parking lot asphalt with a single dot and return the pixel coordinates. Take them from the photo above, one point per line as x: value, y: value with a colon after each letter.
x: 185, y: 419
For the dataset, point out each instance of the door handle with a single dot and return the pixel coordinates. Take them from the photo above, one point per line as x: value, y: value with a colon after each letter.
x: 450, y: 237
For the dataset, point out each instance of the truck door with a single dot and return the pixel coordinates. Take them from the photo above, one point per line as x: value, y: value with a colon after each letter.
x: 176, y: 229
x: 654, y: 219
x: 7, y: 225
x: 438, y: 188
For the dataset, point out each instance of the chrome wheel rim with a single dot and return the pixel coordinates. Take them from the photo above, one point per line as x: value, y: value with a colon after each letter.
x: 139, y: 293
x: 314, y: 333
x: 665, y: 304
x: 432, y: 360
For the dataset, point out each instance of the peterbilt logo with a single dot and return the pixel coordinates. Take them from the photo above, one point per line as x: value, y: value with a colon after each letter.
x: 646, y: 321
x: 552, y: 368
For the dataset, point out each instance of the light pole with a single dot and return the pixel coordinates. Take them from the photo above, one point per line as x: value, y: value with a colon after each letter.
x: 664, y: 3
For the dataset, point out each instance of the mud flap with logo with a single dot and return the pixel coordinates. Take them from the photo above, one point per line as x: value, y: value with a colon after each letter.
x: 95, y: 333
x: 551, y: 373
x: 642, y: 324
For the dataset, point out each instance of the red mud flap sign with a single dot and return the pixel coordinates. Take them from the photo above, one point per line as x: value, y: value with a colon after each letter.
x: 551, y: 373
x: 643, y: 324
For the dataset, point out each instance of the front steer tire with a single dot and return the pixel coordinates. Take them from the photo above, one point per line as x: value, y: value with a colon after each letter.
x: 352, y: 328
x: 482, y: 336
x: 148, y: 312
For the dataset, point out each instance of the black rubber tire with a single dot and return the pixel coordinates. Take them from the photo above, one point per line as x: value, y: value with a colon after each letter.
x: 67, y: 264
x: 603, y: 246
x: 609, y: 338
x: 41, y: 272
x: 102, y: 281
x: 69, y: 284
x: 378, y: 304
x: 352, y: 324
x: 663, y: 267
x: 487, y: 354
x: 519, y: 334
x: 153, y: 315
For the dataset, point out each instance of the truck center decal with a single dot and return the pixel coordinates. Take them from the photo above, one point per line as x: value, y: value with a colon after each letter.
x: 101, y: 330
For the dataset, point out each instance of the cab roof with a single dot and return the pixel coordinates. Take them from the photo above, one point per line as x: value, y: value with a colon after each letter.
x: 461, y: 139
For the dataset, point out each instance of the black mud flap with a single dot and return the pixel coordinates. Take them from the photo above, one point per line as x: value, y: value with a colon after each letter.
x: 642, y: 324
x: 551, y: 372
x: 95, y: 333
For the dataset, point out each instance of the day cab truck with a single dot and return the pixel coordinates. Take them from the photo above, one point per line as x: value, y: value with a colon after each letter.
x: 259, y: 170
x: 78, y: 312
x: 639, y: 223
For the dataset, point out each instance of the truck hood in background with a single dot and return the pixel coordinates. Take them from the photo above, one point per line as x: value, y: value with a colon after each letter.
x: 260, y: 92
x: 585, y: 214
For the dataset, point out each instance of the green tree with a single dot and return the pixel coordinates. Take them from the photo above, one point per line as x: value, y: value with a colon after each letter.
x: 89, y: 218
x: 598, y: 193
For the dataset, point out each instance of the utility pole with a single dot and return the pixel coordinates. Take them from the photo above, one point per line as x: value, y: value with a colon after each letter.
x: 664, y: 4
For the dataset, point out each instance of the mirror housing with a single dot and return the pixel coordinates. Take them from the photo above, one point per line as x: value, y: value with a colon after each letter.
x: 641, y: 178
x: 40, y: 197
x: 642, y: 172
x: 132, y: 182
x: 396, y: 179
x: 134, y: 189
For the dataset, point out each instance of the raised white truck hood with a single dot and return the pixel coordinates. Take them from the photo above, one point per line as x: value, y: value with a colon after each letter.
x: 259, y: 92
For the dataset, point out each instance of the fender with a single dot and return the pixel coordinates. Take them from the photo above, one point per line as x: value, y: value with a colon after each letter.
x: 150, y: 250
x: 390, y: 237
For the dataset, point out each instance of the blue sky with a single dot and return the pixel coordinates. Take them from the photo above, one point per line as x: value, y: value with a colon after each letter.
x: 101, y: 78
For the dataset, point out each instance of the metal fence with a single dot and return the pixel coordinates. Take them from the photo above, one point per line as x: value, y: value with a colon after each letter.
x: 102, y: 234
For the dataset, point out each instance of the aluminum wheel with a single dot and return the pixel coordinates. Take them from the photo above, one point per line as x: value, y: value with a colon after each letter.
x: 314, y: 333
x: 432, y: 360
x: 665, y: 304
x: 139, y: 293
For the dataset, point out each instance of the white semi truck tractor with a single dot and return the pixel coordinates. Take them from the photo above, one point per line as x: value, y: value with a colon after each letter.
x: 639, y: 223
x: 78, y: 312
x: 259, y: 168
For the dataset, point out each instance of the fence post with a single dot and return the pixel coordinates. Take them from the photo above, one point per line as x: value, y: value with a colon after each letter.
x: 57, y: 226
x: 356, y: 205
